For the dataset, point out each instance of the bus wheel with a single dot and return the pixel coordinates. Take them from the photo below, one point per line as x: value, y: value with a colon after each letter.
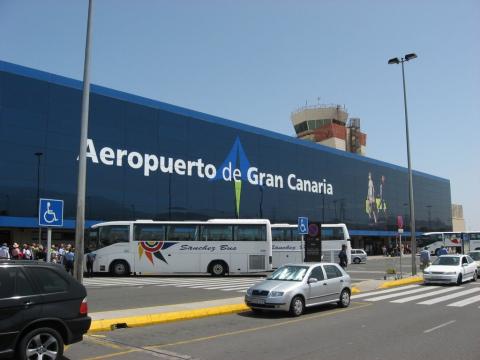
x: 218, y: 268
x: 119, y: 268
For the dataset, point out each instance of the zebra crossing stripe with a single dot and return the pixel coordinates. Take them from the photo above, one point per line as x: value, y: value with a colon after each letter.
x: 237, y: 288
x: 448, y: 297
x: 359, y: 296
x: 398, y: 294
x: 416, y: 297
x: 468, y: 301
x: 246, y: 285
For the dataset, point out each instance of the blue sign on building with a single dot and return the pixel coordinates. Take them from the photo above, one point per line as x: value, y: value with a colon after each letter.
x: 303, y: 225
x: 50, y: 213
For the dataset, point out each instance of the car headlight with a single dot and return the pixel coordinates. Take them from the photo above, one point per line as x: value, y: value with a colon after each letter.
x: 275, y: 293
x: 449, y: 273
x: 427, y: 272
x: 249, y: 292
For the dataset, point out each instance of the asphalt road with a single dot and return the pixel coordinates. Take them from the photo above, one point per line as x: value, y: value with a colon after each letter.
x: 371, y: 328
x: 106, y: 293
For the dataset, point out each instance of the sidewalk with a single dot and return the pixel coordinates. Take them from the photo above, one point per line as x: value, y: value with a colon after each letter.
x: 111, y: 320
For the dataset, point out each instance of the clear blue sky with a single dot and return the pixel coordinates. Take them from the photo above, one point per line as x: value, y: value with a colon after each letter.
x: 255, y: 61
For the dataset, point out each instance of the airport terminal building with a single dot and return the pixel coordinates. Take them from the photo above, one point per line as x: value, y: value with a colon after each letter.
x: 151, y: 160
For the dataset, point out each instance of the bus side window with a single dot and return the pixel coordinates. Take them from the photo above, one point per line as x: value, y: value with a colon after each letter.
x: 149, y: 232
x: 110, y: 235
x: 217, y: 233
x: 182, y: 232
x: 250, y: 233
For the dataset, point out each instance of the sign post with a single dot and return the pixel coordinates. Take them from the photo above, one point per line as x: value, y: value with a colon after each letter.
x: 50, y: 214
x: 400, y: 232
x: 303, y: 230
x: 313, y: 243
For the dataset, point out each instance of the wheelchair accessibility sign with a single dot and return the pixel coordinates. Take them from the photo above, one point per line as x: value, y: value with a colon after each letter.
x: 50, y: 212
x: 303, y: 225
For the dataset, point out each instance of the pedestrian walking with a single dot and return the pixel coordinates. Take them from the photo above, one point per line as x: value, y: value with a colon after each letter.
x: 27, y: 253
x: 90, y: 260
x: 443, y: 251
x: 68, y: 259
x: 60, y: 253
x: 384, y: 250
x: 342, y: 255
x: 4, y: 252
x: 424, y: 258
x: 16, y: 253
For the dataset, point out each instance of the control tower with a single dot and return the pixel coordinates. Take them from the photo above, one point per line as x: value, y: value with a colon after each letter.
x: 329, y: 125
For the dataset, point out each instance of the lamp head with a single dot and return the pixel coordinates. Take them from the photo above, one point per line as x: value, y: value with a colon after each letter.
x: 410, y: 56
x: 394, y: 61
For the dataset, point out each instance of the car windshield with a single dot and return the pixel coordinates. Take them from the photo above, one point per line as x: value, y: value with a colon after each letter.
x: 475, y: 256
x: 447, y: 260
x: 289, y: 273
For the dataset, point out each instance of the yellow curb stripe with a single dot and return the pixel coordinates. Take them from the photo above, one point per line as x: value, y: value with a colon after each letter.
x: 150, y: 319
x: 393, y: 283
x: 355, y: 290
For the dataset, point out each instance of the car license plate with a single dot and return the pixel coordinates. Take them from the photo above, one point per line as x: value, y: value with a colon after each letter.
x: 257, y: 301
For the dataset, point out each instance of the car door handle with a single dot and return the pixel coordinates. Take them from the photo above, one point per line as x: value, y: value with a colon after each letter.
x: 325, y: 284
x: 341, y: 280
x: 27, y: 303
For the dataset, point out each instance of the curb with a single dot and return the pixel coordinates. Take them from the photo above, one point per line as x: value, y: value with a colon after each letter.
x: 393, y: 283
x: 151, y: 319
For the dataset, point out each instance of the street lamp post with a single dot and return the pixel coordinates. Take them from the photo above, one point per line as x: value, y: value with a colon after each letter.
x: 38, y: 155
x: 82, y: 159
x: 413, y: 246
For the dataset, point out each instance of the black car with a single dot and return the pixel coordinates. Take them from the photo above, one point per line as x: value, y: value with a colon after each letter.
x: 42, y: 308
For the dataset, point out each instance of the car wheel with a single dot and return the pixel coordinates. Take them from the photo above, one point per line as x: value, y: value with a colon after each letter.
x: 42, y: 343
x: 459, y: 279
x: 218, y: 268
x: 297, y: 306
x: 344, y: 299
x: 119, y: 268
x: 357, y: 261
x: 475, y: 276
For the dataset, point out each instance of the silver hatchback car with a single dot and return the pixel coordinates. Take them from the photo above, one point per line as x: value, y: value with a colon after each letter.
x: 293, y: 287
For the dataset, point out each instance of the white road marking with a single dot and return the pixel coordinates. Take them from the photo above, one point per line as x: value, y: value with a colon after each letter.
x: 383, y: 291
x: 415, y: 297
x: 448, y: 297
x: 439, y: 326
x: 408, y: 292
x: 468, y: 301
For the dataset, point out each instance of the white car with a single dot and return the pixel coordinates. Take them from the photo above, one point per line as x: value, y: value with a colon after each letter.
x: 475, y: 255
x: 451, y: 269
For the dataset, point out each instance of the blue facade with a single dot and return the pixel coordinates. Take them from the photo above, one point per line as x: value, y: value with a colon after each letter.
x: 153, y: 160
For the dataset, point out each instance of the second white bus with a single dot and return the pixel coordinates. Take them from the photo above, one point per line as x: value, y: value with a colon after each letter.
x: 287, y: 243
x: 217, y: 247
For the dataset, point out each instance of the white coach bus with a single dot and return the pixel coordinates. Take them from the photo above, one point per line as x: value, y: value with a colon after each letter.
x: 287, y: 243
x: 216, y: 246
